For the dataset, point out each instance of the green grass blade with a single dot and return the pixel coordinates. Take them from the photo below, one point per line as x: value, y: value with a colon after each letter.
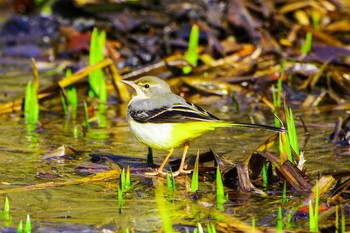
x: 127, y: 178
x: 120, y: 199
x: 28, y: 225
x: 317, y: 203
x: 311, y: 217
x: 253, y: 224
x: 168, y: 182
x: 122, y: 180
x: 27, y: 100
x: 307, y: 45
x: 220, y: 193
x: 31, y: 105
x: 64, y: 104
x: 279, y: 224
x: 284, y: 194
x: 96, y: 78
x: 192, y: 53
x: 292, y: 132
x: 264, y: 175
x: 342, y: 220
x: 72, y: 96
x: 86, y: 114
x: 200, y: 228
x: 20, y: 227
x: 6, y: 212
x: 194, y: 182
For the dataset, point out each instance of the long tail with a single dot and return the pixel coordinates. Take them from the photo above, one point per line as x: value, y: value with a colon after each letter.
x: 250, y: 125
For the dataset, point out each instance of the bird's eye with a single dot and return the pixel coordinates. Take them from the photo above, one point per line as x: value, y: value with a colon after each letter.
x: 146, y: 86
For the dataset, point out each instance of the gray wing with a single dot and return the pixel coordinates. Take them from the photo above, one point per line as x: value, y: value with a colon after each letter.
x: 171, y: 114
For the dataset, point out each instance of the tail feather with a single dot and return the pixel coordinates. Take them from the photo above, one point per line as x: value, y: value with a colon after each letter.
x: 251, y: 125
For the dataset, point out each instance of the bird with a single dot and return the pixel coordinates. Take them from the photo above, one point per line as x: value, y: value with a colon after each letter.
x: 163, y: 120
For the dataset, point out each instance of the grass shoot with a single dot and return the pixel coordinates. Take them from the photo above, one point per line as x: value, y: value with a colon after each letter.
x: 307, y: 45
x: 31, y: 104
x: 192, y: 53
x: 72, y: 97
x: 120, y: 199
x: 220, y: 193
x: 6, y: 212
x: 194, y: 182
x: 264, y: 175
x: 170, y: 180
x: 279, y: 224
x: 253, y: 224
x: 211, y: 228
x: 292, y: 133
x: 20, y: 227
x: 284, y: 193
x: 125, y: 179
x: 28, y: 225
x: 313, y: 214
x: 96, y: 78
x: 86, y: 114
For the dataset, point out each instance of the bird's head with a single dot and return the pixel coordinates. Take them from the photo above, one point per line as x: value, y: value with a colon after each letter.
x: 148, y: 86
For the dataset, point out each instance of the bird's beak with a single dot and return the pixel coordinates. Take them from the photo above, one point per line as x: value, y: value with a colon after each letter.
x: 130, y: 83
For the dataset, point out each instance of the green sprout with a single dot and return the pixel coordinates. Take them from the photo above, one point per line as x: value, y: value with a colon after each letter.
x: 313, y: 215
x: 253, y: 224
x: 20, y: 227
x: 86, y: 114
x: 211, y: 228
x: 307, y: 45
x: 125, y: 179
x: 170, y: 181
x: 194, y: 183
x: 28, y: 225
x: 31, y: 104
x: 192, y: 53
x: 264, y: 174
x: 120, y: 199
x: 96, y: 78
x: 72, y: 97
x: 279, y: 224
x: 6, y: 212
x: 284, y: 194
x: 220, y: 193
x: 292, y: 133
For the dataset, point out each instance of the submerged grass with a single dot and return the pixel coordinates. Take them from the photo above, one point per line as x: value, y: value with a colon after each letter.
x: 163, y: 210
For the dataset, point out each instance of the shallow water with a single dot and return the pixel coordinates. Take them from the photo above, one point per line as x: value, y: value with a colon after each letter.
x: 91, y: 207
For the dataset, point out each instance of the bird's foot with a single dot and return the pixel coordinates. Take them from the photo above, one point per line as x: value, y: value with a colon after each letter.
x: 155, y: 173
x: 160, y: 172
x: 181, y: 171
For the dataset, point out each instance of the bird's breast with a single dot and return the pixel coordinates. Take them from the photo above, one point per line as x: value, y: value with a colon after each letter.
x: 155, y: 135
